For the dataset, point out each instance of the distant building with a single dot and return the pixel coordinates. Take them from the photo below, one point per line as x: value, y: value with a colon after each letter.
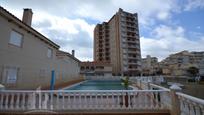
x: 27, y: 57
x: 177, y: 64
x: 150, y: 65
x: 117, y: 42
x: 201, y: 67
x: 95, y: 69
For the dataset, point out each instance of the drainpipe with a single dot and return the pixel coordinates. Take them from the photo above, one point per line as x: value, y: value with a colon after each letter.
x: 52, y: 82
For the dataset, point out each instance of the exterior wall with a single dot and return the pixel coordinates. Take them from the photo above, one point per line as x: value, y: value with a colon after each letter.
x: 115, y: 46
x: 31, y: 59
x: 67, y: 69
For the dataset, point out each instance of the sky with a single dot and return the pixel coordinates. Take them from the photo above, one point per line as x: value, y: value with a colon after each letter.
x: 166, y: 26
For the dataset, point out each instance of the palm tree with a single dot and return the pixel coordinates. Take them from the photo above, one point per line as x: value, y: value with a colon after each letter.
x: 126, y: 82
x: 126, y: 85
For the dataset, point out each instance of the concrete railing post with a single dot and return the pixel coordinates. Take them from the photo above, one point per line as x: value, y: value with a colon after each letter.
x: 140, y: 83
x: 148, y: 86
x: 175, y: 103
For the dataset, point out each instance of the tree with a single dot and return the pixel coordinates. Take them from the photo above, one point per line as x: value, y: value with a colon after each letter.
x: 126, y: 82
x: 193, y: 71
x: 126, y: 85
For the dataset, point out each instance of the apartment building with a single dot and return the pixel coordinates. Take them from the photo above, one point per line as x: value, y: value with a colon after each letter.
x: 197, y: 56
x: 201, y: 67
x: 95, y: 69
x: 178, y: 63
x: 27, y: 57
x: 117, y: 42
x: 150, y: 65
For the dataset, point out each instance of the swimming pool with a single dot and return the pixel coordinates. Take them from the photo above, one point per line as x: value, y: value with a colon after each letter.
x: 99, y: 85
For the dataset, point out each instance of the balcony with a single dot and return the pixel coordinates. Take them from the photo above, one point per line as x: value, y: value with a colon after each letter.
x: 130, y: 20
x: 130, y: 35
x: 130, y: 16
x: 100, y: 45
x: 100, y: 41
x: 100, y: 49
x: 132, y: 69
x: 131, y: 40
x: 107, y: 54
x: 131, y: 46
x: 107, y: 58
x: 130, y: 57
x: 133, y: 52
x: 107, y: 45
x: 133, y: 63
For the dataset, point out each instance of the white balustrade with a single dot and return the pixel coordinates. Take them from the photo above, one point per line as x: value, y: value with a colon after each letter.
x: 190, y: 105
x: 11, y: 100
x: 106, y: 77
x: 75, y: 100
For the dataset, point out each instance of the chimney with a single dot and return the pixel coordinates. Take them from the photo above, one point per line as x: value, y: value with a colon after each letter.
x: 73, y: 52
x: 27, y: 16
x: 120, y: 9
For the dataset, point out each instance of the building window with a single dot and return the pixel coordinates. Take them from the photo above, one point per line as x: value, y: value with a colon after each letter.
x: 49, y: 53
x: 11, y: 74
x: 16, y: 38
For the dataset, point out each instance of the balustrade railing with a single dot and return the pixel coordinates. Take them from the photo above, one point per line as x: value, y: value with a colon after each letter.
x: 82, y: 100
x: 106, y: 77
x: 190, y: 105
x: 151, y: 97
x: 156, y: 79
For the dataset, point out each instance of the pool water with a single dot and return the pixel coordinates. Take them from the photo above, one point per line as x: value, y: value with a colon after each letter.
x: 99, y: 85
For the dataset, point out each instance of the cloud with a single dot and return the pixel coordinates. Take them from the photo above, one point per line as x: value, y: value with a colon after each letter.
x: 167, y: 40
x: 65, y: 24
x: 101, y: 10
x: 193, y: 4
x: 69, y: 23
x: 70, y: 34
